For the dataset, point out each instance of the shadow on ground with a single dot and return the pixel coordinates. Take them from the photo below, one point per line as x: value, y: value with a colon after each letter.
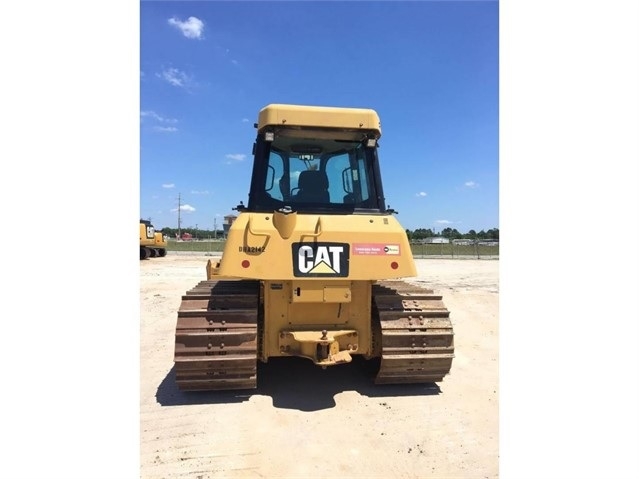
x: 296, y: 383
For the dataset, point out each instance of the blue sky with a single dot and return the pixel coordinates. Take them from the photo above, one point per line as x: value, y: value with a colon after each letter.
x: 430, y: 69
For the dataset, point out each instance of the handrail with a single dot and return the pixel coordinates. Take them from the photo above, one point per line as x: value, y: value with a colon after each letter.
x: 255, y: 233
x: 318, y: 228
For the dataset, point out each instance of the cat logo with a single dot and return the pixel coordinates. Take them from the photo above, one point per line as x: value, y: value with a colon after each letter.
x: 320, y: 259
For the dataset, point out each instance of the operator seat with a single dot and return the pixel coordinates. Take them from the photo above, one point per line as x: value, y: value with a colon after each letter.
x: 313, y: 187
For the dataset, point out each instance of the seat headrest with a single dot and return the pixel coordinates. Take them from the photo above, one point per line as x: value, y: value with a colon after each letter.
x: 313, y: 180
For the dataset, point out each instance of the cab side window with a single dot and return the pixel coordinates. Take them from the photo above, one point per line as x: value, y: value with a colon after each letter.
x: 274, y: 174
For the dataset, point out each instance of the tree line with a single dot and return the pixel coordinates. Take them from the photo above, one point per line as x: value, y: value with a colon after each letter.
x: 452, y: 233
x: 417, y: 234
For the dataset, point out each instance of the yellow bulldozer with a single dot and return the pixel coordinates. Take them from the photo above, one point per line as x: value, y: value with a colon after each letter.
x: 313, y: 265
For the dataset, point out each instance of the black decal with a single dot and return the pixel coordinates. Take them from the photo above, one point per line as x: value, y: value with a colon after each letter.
x: 320, y: 259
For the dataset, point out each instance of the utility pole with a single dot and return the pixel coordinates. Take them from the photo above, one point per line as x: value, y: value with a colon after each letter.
x: 214, y: 228
x: 179, y: 223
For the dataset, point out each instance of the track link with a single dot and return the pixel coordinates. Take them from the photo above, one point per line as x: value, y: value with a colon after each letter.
x: 416, y: 334
x: 216, y: 336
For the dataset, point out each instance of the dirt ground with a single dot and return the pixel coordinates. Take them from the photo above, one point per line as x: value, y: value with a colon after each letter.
x: 305, y: 422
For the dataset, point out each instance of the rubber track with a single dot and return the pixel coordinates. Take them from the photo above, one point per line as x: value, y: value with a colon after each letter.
x: 415, y: 331
x: 216, y: 336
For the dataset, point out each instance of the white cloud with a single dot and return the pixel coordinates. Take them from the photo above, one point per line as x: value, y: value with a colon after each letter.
x: 444, y: 222
x: 236, y: 157
x: 155, y: 116
x: 191, y: 28
x: 151, y: 114
x: 187, y: 208
x: 471, y: 184
x: 196, y: 192
x: 168, y: 185
x: 421, y: 194
x: 160, y: 119
x: 245, y: 120
x: 175, y: 77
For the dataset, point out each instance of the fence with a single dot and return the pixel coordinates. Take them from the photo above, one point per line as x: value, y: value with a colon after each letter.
x: 451, y: 250
x: 429, y: 250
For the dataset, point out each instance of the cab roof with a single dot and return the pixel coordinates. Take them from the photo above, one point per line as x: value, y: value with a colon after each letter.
x: 352, y: 119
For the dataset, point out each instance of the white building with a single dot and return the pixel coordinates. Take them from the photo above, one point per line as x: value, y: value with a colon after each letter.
x: 436, y: 240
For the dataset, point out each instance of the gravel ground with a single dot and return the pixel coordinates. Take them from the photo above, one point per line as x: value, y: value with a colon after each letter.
x: 302, y: 421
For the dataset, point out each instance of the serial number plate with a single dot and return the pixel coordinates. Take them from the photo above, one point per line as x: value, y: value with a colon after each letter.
x: 252, y: 249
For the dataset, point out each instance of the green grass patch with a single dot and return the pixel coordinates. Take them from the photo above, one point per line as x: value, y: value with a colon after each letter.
x: 196, y: 246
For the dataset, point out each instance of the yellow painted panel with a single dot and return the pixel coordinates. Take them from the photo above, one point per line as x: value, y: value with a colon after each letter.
x: 282, y: 315
x: 319, y: 116
x: 370, y: 247
x: 319, y: 292
x: 337, y: 294
x: 307, y: 292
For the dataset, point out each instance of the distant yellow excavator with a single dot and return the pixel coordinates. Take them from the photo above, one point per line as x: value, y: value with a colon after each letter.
x: 152, y: 243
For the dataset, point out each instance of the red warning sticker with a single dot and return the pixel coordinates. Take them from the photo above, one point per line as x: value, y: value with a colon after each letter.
x: 375, y: 249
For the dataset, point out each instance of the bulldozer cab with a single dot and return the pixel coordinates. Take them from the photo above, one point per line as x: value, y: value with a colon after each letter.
x: 306, y: 166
